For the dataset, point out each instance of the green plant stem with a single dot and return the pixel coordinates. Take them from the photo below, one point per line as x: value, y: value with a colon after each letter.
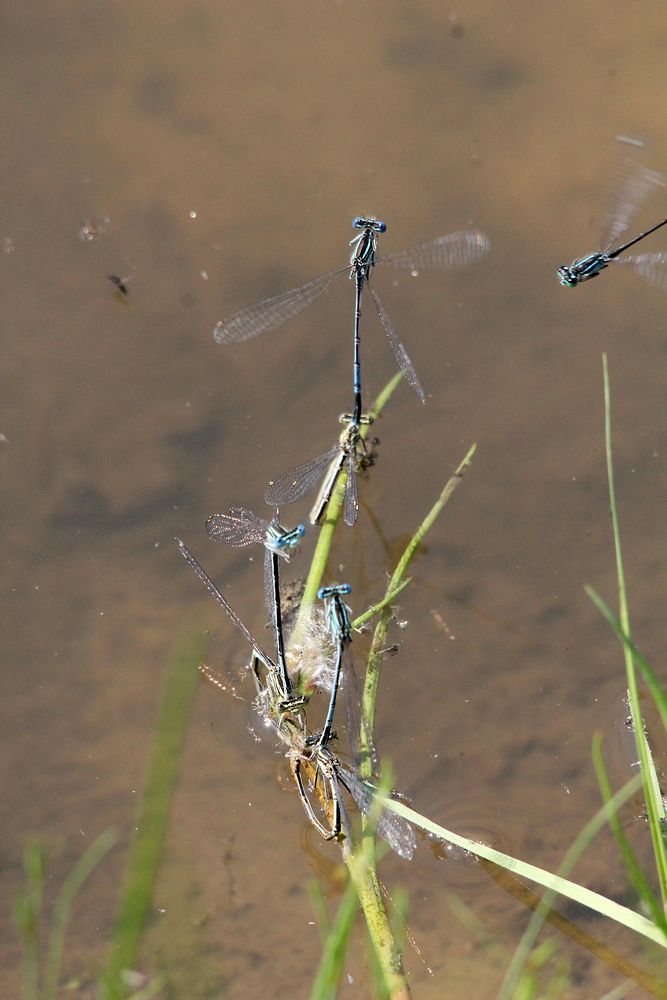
x: 362, y: 867
x: 379, y: 636
x: 78, y: 875
x: 365, y: 879
x: 146, y: 851
x: 27, y: 911
x: 330, y: 969
x: 333, y: 515
x: 650, y: 679
x: 363, y: 872
x: 632, y: 866
x: 654, y: 805
x: 386, y: 601
x: 579, y: 894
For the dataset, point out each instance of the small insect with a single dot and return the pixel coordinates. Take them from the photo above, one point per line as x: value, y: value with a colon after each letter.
x: 120, y: 283
x: 631, y: 186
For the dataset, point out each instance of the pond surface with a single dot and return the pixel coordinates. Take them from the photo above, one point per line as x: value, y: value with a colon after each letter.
x: 215, y: 154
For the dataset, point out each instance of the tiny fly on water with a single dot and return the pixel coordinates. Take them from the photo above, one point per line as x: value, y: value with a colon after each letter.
x: 120, y: 283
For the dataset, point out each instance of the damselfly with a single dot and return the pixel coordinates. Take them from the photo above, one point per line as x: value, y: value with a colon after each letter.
x: 338, y: 623
x: 274, y: 686
x: 295, y: 483
x: 453, y: 250
x: 340, y: 631
x: 632, y: 185
x: 240, y: 528
x: 328, y: 769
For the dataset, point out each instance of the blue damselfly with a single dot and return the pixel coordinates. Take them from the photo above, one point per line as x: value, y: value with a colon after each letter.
x: 453, y: 250
x: 633, y: 183
x: 340, y: 632
x: 240, y: 528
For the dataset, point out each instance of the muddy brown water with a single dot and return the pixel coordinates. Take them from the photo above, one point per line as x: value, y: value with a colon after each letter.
x: 221, y: 152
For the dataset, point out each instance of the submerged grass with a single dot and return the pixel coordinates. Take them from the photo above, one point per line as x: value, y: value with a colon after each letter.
x: 38, y: 983
x: 153, y: 813
x: 655, y: 804
x: 526, y: 969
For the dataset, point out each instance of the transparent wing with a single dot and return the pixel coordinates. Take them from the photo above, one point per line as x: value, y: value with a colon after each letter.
x: 296, y: 482
x: 400, y: 352
x: 215, y: 593
x: 631, y: 184
x: 240, y: 527
x: 270, y: 568
x: 453, y: 250
x: 652, y: 267
x: 351, y: 501
x: 270, y: 313
x: 354, y: 713
x: 394, y: 829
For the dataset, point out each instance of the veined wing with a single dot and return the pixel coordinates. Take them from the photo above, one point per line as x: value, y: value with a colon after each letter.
x: 240, y: 527
x: 400, y: 353
x: 227, y: 608
x: 652, y: 267
x: 296, y: 482
x: 354, y: 714
x: 632, y: 183
x: 453, y: 250
x: 351, y: 500
x: 270, y: 586
x: 271, y: 312
x: 394, y: 829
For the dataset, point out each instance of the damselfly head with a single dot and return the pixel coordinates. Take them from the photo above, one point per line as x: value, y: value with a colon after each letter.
x: 338, y: 588
x: 359, y: 222
x: 278, y: 538
x: 567, y: 276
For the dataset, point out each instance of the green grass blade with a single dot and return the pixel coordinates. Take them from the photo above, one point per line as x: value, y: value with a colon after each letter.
x: 153, y: 814
x: 397, y: 580
x: 386, y: 601
x: 652, y: 797
x: 579, y: 894
x: 637, y: 877
x: 27, y: 910
x: 78, y: 875
x: 362, y: 867
x: 650, y: 679
x: 335, y: 945
x: 608, y: 813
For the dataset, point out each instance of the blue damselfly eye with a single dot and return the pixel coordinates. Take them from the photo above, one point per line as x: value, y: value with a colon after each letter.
x: 381, y: 227
x: 358, y: 222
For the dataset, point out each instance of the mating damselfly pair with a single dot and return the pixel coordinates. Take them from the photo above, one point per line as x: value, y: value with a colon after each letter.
x: 444, y: 252
x: 319, y: 773
x: 283, y: 710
